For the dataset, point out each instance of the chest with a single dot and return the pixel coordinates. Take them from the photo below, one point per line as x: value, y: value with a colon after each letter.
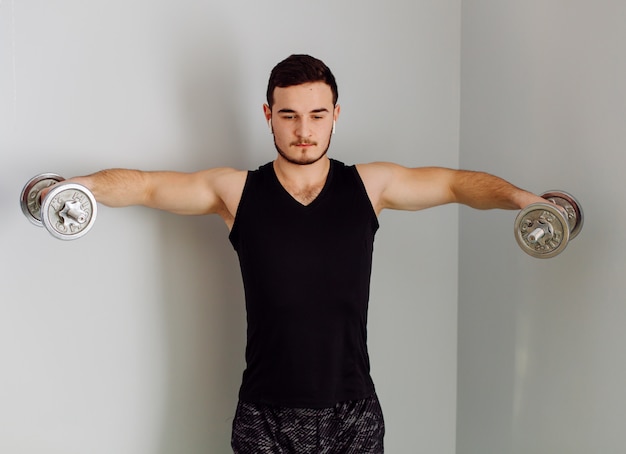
x: 305, y: 195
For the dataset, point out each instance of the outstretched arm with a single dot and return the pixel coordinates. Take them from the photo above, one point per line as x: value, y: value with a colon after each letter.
x: 213, y: 191
x: 401, y: 188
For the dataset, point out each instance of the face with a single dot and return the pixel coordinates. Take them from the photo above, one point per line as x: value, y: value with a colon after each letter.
x: 302, y: 121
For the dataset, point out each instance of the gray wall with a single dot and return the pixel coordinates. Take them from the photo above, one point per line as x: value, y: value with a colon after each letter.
x: 541, y: 343
x: 130, y: 340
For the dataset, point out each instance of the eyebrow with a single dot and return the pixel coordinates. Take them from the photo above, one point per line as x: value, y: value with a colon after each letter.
x: 320, y: 110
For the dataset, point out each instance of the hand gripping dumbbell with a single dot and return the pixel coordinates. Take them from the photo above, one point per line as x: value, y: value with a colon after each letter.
x: 543, y: 230
x: 68, y: 211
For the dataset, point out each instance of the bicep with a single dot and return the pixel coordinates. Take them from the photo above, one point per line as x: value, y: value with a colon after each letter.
x: 197, y: 193
x: 401, y: 188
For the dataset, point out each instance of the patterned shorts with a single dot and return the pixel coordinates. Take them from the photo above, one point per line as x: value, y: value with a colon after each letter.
x: 348, y: 428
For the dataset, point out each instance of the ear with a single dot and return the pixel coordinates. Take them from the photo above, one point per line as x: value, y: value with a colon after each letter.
x: 267, y: 112
x: 336, y: 113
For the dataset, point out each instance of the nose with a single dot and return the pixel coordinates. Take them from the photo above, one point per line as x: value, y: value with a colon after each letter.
x: 303, y: 127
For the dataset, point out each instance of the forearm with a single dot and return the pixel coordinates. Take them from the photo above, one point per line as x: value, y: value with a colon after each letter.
x: 207, y: 191
x: 117, y: 187
x: 484, y: 191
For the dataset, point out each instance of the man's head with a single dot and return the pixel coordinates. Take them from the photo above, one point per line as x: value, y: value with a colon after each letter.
x: 298, y: 70
x: 301, y: 109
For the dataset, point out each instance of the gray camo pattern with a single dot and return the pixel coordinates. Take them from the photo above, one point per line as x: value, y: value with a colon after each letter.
x: 347, y: 428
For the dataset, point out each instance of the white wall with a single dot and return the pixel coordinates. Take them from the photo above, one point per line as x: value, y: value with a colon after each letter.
x: 541, y: 342
x: 130, y: 340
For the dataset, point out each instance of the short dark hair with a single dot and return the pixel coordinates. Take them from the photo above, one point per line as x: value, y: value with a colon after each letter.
x: 297, y: 70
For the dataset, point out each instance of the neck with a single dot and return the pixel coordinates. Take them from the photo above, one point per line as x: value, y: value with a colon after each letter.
x: 303, y: 182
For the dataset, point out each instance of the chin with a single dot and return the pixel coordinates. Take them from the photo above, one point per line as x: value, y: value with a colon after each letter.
x: 302, y: 159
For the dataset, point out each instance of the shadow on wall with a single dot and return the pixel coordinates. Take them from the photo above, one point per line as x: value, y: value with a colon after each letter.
x: 204, y: 304
x: 205, y: 334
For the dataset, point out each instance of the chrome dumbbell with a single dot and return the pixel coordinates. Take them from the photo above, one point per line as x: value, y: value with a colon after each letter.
x: 68, y: 211
x: 543, y: 230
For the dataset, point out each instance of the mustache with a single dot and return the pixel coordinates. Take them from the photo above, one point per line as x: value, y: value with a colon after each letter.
x: 303, y: 142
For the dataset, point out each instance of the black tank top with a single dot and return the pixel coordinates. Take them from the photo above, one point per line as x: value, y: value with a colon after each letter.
x: 306, y: 275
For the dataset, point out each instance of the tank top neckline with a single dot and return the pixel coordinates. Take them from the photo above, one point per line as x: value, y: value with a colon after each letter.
x: 317, y: 200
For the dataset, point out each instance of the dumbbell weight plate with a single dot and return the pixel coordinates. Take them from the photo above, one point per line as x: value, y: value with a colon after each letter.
x: 574, y: 211
x: 69, y: 211
x: 29, y: 198
x: 538, y: 217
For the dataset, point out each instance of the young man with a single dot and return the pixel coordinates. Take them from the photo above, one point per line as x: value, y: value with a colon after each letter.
x: 303, y: 226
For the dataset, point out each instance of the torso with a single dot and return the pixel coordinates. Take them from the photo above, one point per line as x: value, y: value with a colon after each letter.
x: 306, y: 275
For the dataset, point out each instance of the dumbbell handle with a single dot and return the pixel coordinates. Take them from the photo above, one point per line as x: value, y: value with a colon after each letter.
x: 537, y: 234
x: 73, y: 210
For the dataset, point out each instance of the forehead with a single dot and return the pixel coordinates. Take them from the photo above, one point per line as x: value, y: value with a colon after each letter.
x: 304, y: 97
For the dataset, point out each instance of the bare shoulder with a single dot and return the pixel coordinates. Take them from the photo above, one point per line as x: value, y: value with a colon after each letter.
x: 385, y: 172
x: 226, y: 184
x: 224, y: 178
x: 376, y: 172
x: 376, y: 177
